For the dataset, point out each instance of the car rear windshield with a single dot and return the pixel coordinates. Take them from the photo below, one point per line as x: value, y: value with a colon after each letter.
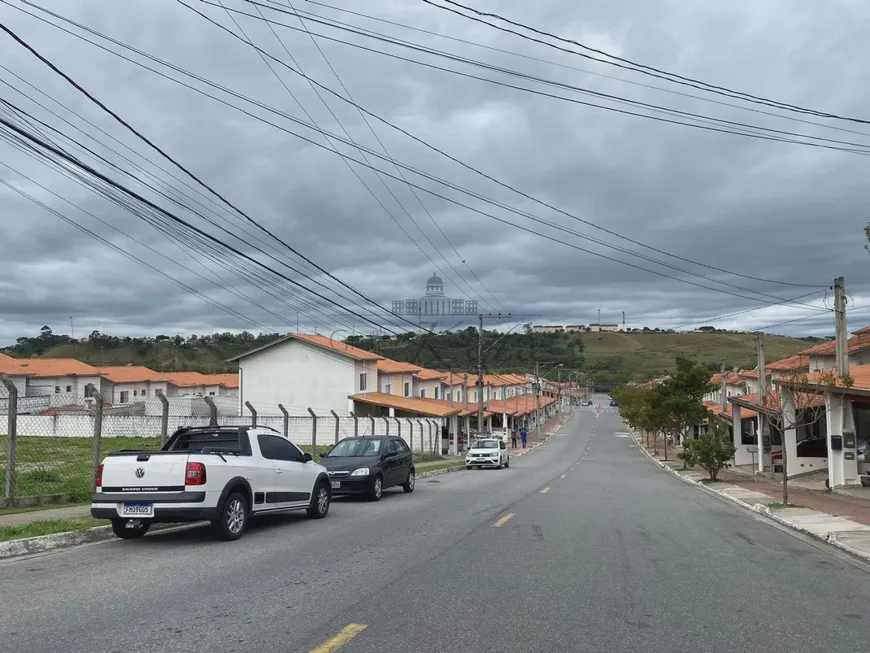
x: 355, y: 448
x: 205, y: 441
x: 485, y: 444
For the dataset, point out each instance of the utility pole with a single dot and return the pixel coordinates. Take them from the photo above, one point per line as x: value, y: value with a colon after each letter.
x: 841, y: 333
x: 723, y: 388
x: 763, y: 421
x: 482, y: 317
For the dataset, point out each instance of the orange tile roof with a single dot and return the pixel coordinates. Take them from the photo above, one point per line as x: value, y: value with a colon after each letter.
x: 11, y: 366
x: 861, y: 331
x: 428, y: 375
x: 773, y: 400
x: 860, y: 340
x: 49, y: 367
x: 128, y: 373
x: 471, y: 411
x: 418, y: 405
x: 716, y: 379
x: 860, y: 375
x: 750, y: 374
x: 226, y: 380
x: 733, y: 378
x: 389, y: 366
x: 338, y: 345
x: 791, y: 363
x: 458, y: 377
x: 745, y: 413
x: 184, y: 379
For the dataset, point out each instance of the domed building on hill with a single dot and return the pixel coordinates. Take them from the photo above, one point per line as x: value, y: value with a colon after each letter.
x: 434, y: 302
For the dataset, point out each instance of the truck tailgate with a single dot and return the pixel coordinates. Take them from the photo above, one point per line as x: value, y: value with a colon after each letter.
x: 145, y: 472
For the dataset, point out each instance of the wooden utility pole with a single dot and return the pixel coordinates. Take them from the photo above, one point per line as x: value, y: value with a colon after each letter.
x: 763, y: 420
x: 842, y: 337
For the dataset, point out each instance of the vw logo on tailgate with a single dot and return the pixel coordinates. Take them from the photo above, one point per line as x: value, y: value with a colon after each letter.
x: 140, y: 472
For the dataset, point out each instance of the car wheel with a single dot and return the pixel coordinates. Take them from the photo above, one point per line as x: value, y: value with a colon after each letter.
x: 377, y: 488
x: 320, y: 501
x: 468, y: 468
x: 232, y: 520
x: 130, y: 529
x: 507, y: 463
x: 411, y: 482
x: 499, y: 466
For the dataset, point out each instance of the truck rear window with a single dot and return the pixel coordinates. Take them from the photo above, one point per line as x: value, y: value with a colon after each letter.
x: 205, y: 441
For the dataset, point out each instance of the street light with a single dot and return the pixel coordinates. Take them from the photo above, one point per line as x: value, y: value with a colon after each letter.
x: 538, y: 393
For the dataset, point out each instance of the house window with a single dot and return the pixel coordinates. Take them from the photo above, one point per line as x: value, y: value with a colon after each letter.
x: 211, y: 394
x: 135, y: 393
x: 459, y: 395
x: 125, y: 396
x: 436, y: 392
x: 144, y: 393
x: 69, y: 388
x: 57, y: 389
x: 362, y: 382
x: 388, y: 389
x: 407, y: 389
x: 423, y: 393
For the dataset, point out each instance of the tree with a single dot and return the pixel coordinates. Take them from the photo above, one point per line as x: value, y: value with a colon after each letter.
x: 45, y: 332
x: 681, y: 397
x: 712, y: 451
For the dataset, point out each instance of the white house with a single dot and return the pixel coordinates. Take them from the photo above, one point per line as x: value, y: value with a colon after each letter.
x: 194, y: 384
x: 130, y: 384
x: 302, y: 371
x: 824, y: 356
x: 395, y: 378
x: 597, y: 328
x: 429, y: 384
x: 59, y: 376
x: 11, y: 368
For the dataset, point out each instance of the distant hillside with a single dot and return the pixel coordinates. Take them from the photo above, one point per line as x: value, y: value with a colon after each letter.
x: 607, y: 357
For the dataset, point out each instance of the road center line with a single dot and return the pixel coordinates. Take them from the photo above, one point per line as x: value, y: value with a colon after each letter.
x: 503, y: 520
x: 564, y: 475
x: 545, y: 490
x: 343, y: 637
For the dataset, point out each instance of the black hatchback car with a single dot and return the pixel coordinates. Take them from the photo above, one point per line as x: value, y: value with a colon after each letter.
x: 369, y: 465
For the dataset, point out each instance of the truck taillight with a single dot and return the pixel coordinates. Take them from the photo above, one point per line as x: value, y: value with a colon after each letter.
x: 99, y: 482
x: 194, y: 474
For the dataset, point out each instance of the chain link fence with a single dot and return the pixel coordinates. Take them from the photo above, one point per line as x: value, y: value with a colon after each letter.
x: 52, y: 445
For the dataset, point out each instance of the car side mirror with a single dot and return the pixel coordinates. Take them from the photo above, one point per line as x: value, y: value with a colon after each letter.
x: 308, y: 457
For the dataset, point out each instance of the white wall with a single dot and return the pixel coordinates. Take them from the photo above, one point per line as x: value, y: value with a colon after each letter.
x: 76, y: 385
x: 298, y: 375
x: 373, y: 380
x: 139, y: 391
x: 429, y: 388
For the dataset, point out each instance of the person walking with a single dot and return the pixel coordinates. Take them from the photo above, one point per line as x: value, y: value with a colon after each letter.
x: 523, y: 436
x: 514, y: 439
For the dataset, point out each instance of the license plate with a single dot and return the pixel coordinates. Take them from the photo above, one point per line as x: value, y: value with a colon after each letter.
x: 336, y: 485
x: 137, y: 510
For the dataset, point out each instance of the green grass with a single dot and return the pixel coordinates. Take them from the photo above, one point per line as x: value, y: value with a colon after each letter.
x: 62, y: 465
x: 37, y: 528
x: 435, y: 468
x: 427, y: 457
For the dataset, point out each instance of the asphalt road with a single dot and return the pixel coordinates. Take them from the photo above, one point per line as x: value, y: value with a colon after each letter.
x: 617, y: 555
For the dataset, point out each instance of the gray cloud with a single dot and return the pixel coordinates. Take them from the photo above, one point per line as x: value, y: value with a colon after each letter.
x: 763, y: 209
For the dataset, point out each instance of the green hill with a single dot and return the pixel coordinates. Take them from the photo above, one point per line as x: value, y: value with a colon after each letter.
x: 608, y: 357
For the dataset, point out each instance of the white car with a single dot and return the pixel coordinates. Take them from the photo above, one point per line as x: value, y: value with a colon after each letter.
x: 488, y: 452
x: 222, y: 474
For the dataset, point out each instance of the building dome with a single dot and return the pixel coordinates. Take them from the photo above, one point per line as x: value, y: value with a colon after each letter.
x: 434, y: 281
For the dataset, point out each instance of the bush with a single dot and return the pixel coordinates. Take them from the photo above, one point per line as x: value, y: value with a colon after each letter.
x: 711, y: 453
x: 689, y: 454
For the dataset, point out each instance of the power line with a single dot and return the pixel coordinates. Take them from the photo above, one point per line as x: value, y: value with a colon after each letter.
x: 380, y: 142
x: 631, y: 65
x: 143, y: 138
x: 551, y: 62
x: 266, y: 107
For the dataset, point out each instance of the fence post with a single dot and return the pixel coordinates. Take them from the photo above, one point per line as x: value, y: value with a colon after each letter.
x: 387, y: 423
x: 355, y: 424
x: 337, y: 424
x: 91, y: 391
x: 286, y: 420
x: 431, y: 440
x: 411, y: 432
x: 12, y: 417
x: 398, y: 427
x: 251, y: 408
x: 313, y: 434
x: 373, y: 423
x: 164, y: 416
x: 212, y: 411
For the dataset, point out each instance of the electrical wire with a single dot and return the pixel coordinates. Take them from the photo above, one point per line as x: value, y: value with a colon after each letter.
x: 633, y: 66
x: 266, y: 107
x: 190, y: 174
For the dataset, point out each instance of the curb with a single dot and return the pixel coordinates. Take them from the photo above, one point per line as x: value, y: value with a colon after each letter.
x: 828, y: 538
x: 439, y: 472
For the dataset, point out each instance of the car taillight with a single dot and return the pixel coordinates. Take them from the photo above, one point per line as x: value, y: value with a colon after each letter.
x: 99, y: 482
x: 194, y: 474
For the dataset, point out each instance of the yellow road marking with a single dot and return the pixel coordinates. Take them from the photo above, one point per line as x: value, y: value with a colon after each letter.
x: 564, y: 475
x: 545, y: 490
x: 344, y: 636
x: 503, y: 520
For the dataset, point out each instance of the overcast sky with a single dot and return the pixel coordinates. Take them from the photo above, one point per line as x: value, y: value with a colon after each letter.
x: 771, y: 210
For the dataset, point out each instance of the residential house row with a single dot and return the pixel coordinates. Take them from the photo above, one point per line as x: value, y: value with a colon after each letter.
x: 812, y: 417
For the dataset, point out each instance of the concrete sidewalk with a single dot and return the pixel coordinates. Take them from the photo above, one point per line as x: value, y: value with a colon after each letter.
x: 841, y: 521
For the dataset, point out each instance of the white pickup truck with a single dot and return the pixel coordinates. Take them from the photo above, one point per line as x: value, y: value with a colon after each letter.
x: 218, y: 473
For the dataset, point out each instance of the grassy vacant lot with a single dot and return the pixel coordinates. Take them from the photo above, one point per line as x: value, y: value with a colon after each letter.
x: 63, y: 465
x: 655, y: 352
x: 49, y: 527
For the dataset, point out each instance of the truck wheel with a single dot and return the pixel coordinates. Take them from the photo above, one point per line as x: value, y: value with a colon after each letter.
x: 232, y: 519
x: 320, y: 501
x: 130, y: 529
